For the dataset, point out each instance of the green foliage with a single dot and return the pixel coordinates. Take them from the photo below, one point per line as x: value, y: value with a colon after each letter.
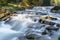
x: 46, y: 2
x: 59, y: 38
x: 15, y: 1
x: 8, y: 8
x: 3, y: 2
x: 34, y: 2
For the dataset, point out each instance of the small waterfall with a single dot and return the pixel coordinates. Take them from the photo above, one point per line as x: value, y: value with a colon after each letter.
x: 6, y: 33
x: 2, y: 24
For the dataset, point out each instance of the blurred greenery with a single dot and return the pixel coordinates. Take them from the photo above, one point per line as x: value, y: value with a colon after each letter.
x: 3, y: 2
x: 34, y: 2
x: 59, y: 38
x: 22, y: 4
x: 46, y: 3
x: 30, y: 2
x: 8, y: 8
